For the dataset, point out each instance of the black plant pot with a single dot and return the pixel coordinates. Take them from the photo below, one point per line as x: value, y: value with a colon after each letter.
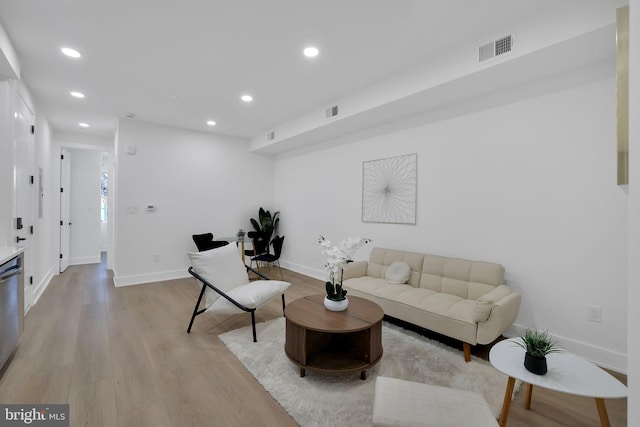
x: 536, y: 365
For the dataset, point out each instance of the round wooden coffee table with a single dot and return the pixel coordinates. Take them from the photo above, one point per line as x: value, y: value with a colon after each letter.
x: 333, y: 342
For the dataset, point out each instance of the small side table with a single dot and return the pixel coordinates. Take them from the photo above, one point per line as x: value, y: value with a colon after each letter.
x: 567, y: 373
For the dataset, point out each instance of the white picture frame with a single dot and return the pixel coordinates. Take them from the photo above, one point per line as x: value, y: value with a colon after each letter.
x: 389, y: 190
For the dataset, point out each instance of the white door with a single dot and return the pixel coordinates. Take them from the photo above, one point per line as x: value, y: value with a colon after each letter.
x: 24, y: 189
x: 65, y: 220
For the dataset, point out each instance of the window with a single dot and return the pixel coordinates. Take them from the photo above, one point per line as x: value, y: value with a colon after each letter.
x: 104, y: 185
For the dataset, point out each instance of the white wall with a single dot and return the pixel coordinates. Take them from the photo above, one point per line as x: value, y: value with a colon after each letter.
x: 530, y: 185
x: 85, y: 207
x: 633, y: 401
x: 199, y: 182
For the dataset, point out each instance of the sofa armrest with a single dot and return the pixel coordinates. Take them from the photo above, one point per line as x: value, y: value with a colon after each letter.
x: 503, y: 314
x: 485, y: 303
x: 355, y: 269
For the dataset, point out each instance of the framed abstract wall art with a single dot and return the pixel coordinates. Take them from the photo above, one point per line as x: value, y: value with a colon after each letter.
x: 389, y: 188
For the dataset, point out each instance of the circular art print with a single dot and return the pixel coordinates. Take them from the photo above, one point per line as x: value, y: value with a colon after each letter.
x: 389, y: 190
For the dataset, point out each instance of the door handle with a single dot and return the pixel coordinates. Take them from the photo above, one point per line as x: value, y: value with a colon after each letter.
x: 10, y: 272
x: 19, y: 239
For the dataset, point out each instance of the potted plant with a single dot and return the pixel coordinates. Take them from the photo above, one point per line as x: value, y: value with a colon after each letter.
x: 537, y: 344
x: 266, y: 224
x: 337, y: 257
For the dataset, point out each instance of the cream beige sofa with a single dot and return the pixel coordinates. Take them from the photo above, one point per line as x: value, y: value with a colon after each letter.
x: 461, y: 299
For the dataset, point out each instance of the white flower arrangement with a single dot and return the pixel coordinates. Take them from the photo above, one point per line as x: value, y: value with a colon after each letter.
x: 337, y: 257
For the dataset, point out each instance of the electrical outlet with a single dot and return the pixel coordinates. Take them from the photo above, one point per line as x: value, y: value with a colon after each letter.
x: 156, y: 257
x: 594, y: 313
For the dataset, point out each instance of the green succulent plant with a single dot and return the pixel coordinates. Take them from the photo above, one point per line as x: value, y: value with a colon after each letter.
x: 538, y: 343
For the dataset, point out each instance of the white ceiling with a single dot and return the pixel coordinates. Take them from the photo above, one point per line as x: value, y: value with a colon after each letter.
x: 139, y: 54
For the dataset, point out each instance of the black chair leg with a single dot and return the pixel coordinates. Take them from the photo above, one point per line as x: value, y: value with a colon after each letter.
x: 253, y: 325
x: 195, y: 310
x: 283, y: 315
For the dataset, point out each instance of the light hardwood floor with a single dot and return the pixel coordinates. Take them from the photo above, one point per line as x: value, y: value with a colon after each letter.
x: 122, y: 357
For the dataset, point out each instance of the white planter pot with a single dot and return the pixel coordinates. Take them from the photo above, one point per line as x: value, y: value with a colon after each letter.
x: 336, y: 305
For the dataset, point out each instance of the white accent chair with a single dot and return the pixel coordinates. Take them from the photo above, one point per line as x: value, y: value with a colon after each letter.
x: 406, y: 403
x: 226, y: 286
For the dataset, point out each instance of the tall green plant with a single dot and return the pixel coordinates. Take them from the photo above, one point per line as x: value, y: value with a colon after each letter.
x: 267, y: 224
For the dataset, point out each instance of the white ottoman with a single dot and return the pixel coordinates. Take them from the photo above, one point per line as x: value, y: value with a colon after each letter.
x: 405, y: 403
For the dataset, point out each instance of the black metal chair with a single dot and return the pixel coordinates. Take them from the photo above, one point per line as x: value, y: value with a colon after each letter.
x: 259, y: 244
x: 238, y: 294
x: 205, y: 242
x: 274, y: 258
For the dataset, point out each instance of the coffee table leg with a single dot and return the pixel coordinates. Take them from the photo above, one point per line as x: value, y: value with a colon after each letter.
x: 527, y: 401
x: 602, y: 411
x: 363, y: 375
x: 507, y: 401
x: 302, y: 372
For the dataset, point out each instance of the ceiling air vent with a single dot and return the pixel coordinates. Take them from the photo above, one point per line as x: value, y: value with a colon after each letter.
x: 331, y: 112
x: 271, y: 136
x: 498, y: 47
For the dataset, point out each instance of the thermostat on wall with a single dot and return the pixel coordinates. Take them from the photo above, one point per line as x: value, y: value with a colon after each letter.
x: 151, y: 207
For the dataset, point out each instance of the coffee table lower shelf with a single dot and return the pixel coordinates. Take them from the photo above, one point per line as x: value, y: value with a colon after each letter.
x: 334, y: 362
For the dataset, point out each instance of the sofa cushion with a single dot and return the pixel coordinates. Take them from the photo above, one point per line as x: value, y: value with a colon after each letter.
x: 414, y: 297
x: 393, y: 292
x: 381, y: 258
x: 449, y: 306
x: 466, y: 279
x: 398, y: 273
x: 365, y: 284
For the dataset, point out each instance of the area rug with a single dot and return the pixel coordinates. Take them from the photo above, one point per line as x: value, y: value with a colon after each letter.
x: 331, y: 400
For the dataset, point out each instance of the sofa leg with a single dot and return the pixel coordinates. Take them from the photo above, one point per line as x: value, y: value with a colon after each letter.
x: 467, y: 351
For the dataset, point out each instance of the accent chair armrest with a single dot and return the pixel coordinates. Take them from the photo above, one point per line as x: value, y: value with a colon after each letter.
x: 262, y: 276
x: 355, y: 269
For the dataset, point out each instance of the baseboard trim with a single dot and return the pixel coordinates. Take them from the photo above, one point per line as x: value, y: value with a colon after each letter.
x: 85, y: 260
x: 42, y: 286
x: 302, y: 269
x: 602, y: 357
x: 139, y: 279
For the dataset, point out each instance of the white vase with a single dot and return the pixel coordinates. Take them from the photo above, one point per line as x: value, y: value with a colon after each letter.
x: 332, y: 305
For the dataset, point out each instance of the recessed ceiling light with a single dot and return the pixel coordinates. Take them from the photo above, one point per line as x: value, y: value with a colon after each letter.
x: 83, y: 125
x: 247, y: 98
x: 311, y: 52
x: 77, y: 94
x: 70, y: 52
x: 211, y: 123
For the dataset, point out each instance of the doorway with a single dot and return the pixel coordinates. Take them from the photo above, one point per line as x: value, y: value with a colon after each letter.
x: 84, y: 207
